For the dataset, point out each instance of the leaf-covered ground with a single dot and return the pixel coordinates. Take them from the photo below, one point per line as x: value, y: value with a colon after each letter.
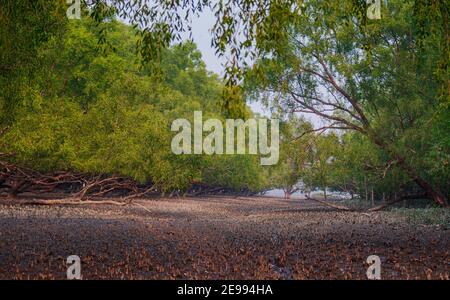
x: 216, y: 238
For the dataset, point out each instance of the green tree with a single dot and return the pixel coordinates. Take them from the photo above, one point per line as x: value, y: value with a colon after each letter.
x: 323, y: 69
x: 290, y: 174
x: 104, y: 113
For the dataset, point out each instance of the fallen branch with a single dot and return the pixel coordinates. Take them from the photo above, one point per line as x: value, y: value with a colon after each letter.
x: 142, y: 206
x: 339, y: 207
x: 406, y: 197
x: 142, y: 194
x: 15, y: 181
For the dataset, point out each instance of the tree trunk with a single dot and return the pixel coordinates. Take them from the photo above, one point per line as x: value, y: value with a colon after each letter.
x: 373, y: 198
x: 365, y: 189
x: 287, y: 194
x: 431, y: 192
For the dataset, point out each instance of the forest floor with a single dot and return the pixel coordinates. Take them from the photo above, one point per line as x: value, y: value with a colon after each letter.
x: 216, y: 238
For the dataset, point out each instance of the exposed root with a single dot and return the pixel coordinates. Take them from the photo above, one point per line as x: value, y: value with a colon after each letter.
x: 16, y: 181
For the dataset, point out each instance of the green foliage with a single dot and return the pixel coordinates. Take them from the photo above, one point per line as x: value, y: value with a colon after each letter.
x: 237, y: 172
x: 92, y: 111
x: 368, y: 77
x: 243, y: 29
x: 294, y: 156
x: 25, y: 26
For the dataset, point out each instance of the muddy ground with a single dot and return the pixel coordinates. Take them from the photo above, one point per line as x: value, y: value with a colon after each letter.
x: 216, y: 238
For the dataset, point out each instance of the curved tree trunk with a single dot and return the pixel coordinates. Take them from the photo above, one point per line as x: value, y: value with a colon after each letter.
x: 431, y: 191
